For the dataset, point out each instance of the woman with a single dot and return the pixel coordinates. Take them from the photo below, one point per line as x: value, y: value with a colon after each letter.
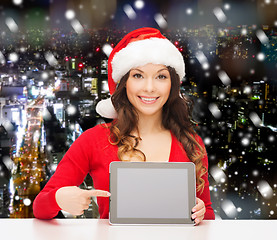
x: 152, y: 123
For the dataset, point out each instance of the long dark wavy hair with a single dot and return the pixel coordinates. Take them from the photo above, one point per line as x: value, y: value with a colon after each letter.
x: 176, y: 117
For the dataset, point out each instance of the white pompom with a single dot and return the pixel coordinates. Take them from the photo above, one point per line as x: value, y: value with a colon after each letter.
x: 106, y: 109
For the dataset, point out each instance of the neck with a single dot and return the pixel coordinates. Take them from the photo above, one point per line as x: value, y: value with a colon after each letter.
x: 150, y: 124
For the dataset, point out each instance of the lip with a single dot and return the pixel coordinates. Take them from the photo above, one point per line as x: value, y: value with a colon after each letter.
x: 148, y: 100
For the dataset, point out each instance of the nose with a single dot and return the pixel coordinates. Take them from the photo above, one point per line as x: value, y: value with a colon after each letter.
x: 149, y: 85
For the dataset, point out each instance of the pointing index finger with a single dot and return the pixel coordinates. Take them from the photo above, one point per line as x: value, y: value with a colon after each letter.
x: 98, y: 193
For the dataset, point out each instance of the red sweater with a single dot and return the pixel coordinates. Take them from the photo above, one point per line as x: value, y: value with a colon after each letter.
x: 92, y: 153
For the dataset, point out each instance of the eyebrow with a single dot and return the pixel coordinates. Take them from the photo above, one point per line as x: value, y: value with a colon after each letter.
x: 143, y: 71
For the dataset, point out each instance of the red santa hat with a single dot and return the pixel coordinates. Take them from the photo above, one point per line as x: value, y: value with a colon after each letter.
x: 137, y: 48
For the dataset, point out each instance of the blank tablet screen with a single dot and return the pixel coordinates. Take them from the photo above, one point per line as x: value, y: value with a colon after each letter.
x: 152, y: 192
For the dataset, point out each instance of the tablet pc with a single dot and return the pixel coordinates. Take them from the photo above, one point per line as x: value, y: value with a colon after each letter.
x: 152, y: 192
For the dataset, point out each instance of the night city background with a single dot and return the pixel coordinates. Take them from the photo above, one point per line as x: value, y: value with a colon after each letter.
x: 53, y: 71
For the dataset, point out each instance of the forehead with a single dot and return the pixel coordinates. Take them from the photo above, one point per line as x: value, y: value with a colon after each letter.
x: 150, y: 67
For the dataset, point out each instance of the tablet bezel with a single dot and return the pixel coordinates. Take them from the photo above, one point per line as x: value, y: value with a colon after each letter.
x: 114, y: 220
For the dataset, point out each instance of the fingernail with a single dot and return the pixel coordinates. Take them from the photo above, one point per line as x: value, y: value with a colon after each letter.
x: 108, y: 194
x: 193, y: 216
x: 193, y: 209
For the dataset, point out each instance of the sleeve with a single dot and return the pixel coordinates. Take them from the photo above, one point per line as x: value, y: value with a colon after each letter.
x: 71, y: 171
x: 205, y: 195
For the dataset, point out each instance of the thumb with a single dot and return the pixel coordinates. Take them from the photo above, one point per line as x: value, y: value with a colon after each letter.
x: 97, y: 193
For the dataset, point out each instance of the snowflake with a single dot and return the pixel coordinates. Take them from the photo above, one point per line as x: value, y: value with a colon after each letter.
x: 261, y: 57
x: 245, y: 141
x: 17, y: 2
x: 265, y: 189
x: 11, y: 24
x: 46, y: 114
x: 160, y: 20
x: 271, y: 138
x: 50, y: 58
x: 8, y: 162
x: 44, y: 75
x: 255, y: 119
x: 247, y: 90
x: 214, y: 110
x: 207, y: 141
x: 77, y: 26
x: 220, y: 15
x: 107, y: 49
x: 13, y: 57
x: 27, y: 202
x: 130, y: 12
x: 229, y: 208
x: 262, y: 36
x: 202, y: 60
x: 227, y: 6
x: 139, y: 4
x: 189, y: 11
x: 71, y: 110
x: 224, y: 78
x: 69, y: 14
x: 2, y: 59
x: 255, y: 173
x: 49, y: 147
x: 218, y: 175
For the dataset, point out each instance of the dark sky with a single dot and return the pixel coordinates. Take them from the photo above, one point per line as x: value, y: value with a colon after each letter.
x: 110, y: 13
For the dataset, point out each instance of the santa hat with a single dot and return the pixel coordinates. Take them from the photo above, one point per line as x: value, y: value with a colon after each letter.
x: 137, y: 48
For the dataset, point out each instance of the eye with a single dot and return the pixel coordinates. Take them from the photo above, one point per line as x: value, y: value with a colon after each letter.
x: 137, y: 75
x: 162, y: 76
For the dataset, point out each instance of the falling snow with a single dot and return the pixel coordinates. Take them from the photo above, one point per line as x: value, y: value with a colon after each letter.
x: 130, y: 12
x: 17, y: 2
x: 255, y: 119
x: 236, y: 138
x: 13, y: 57
x: 224, y: 78
x: 220, y: 15
x: 51, y: 59
x: 229, y: 208
x: 77, y: 26
x: 215, y: 110
x: 107, y: 49
x: 160, y: 20
x: 265, y: 189
x: 11, y: 24
x: 139, y: 4
x: 70, y: 14
x: 262, y: 36
x: 202, y: 60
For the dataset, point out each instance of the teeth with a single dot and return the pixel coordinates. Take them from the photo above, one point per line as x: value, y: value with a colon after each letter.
x: 148, y: 99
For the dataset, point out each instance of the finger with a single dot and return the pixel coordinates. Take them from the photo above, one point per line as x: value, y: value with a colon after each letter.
x: 78, y: 213
x: 97, y: 193
x: 196, y: 216
x: 199, y: 214
x: 197, y: 221
x: 85, y: 206
x: 199, y: 205
x: 86, y: 200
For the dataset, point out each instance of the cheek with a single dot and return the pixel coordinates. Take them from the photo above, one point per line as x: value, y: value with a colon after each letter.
x: 167, y: 89
x: 130, y: 90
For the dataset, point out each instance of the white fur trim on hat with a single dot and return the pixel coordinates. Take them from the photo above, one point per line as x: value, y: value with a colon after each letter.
x: 141, y: 52
x: 106, y: 109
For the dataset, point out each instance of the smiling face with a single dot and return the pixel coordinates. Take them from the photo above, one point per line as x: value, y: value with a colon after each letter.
x: 148, y: 88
